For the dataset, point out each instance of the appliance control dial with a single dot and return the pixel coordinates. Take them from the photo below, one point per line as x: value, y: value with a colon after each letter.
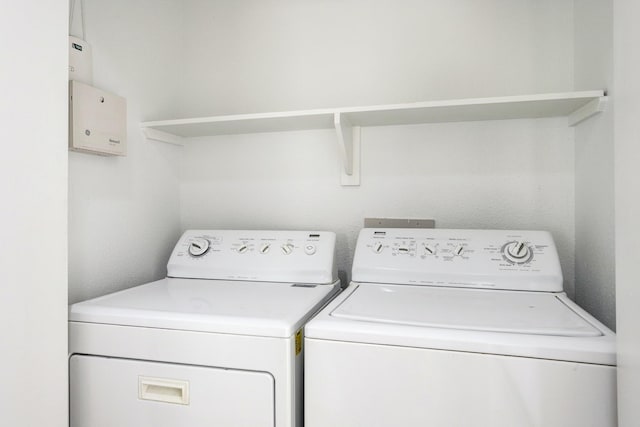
x: 517, y: 252
x: 287, y: 248
x: 377, y: 247
x: 264, y: 248
x: 309, y: 249
x: 429, y: 249
x: 459, y: 250
x: 243, y: 249
x: 198, y: 247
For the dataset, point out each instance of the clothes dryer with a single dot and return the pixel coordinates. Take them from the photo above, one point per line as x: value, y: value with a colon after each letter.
x: 457, y: 328
x: 218, y: 342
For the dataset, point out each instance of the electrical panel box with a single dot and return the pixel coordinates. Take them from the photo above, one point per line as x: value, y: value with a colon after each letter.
x: 80, y: 64
x: 97, y: 121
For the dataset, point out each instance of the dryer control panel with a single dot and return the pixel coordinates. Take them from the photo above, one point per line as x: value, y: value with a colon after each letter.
x: 255, y: 255
x: 495, y: 259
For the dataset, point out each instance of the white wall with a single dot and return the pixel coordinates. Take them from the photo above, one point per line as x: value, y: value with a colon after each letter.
x: 595, y: 278
x: 123, y: 212
x: 33, y: 253
x: 627, y: 204
x: 272, y: 55
x: 254, y: 56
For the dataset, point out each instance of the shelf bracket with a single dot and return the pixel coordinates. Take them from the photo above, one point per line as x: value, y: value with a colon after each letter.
x: 158, y: 135
x: 592, y: 108
x: 349, y: 148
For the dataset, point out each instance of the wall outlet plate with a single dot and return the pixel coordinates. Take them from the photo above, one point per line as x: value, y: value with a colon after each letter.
x: 399, y: 223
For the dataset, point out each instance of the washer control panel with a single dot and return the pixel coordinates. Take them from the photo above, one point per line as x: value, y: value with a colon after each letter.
x: 256, y: 255
x: 496, y: 259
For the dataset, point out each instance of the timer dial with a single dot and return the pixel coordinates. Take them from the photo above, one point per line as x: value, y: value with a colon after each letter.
x: 198, y: 247
x: 517, y: 252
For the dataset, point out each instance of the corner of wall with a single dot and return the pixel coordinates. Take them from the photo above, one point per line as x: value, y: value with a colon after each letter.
x: 594, y: 211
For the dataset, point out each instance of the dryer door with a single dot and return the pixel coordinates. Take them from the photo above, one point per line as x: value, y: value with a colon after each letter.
x: 108, y: 392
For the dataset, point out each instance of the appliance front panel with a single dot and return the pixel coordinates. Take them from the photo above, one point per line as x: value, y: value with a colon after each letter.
x: 351, y: 384
x: 108, y: 392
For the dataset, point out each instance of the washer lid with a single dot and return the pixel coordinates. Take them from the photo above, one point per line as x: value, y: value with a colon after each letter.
x: 234, y: 307
x: 465, y: 309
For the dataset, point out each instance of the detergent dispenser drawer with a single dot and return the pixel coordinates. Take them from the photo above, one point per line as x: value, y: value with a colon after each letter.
x: 108, y: 392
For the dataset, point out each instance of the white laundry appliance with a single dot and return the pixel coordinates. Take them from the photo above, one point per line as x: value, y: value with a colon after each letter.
x: 457, y: 328
x: 216, y: 343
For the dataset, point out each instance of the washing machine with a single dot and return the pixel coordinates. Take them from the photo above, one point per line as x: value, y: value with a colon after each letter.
x: 457, y: 328
x: 219, y: 342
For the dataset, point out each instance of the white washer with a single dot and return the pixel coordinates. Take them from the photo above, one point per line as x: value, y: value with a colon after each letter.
x: 218, y: 342
x: 457, y: 328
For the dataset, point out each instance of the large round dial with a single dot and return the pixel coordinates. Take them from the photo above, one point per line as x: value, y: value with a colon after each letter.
x: 198, y: 247
x: 517, y: 252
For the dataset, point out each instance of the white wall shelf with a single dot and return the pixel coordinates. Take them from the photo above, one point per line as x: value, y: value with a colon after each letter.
x: 576, y: 106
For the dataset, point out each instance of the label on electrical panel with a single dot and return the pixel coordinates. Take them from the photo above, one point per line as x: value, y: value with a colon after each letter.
x: 299, y: 342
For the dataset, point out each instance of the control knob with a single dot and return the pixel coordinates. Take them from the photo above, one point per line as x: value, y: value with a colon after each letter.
x: 429, y: 249
x: 287, y: 248
x: 265, y: 248
x: 198, y: 247
x: 377, y: 247
x: 517, y: 252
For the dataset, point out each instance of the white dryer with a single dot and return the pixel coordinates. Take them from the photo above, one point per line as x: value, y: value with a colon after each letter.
x: 457, y: 328
x: 218, y: 342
